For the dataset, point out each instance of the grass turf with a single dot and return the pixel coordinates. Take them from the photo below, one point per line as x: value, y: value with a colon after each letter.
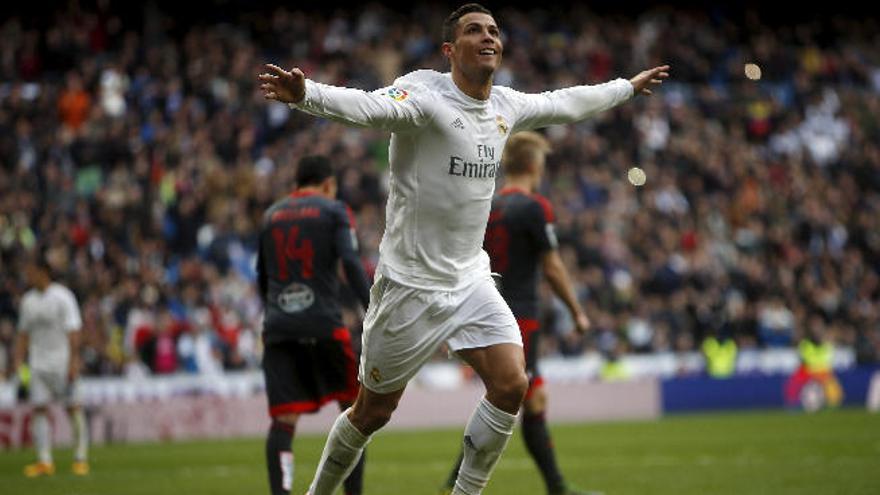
x: 834, y: 452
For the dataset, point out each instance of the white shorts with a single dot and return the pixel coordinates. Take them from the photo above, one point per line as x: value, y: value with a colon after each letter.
x: 404, y: 326
x: 51, y: 386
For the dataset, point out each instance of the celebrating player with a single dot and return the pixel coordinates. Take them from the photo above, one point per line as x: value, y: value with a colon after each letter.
x: 434, y: 283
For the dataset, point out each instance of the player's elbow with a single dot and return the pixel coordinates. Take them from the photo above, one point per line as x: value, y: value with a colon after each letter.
x: 553, y: 273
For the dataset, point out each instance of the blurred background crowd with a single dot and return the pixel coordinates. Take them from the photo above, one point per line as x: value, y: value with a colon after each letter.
x: 136, y: 150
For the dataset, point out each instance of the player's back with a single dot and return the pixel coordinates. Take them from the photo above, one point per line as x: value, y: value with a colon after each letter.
x: 519, y: 231
x: 298, y: 266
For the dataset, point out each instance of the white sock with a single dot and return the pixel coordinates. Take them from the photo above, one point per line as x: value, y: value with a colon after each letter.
x: 485, y: 438
x: 286, y: 461
x: 341, y: 453
x: 42, y: 437
x: 80, y: 435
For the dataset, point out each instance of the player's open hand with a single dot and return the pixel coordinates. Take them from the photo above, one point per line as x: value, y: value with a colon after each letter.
x: 281, y: 85
x: 645, y: 80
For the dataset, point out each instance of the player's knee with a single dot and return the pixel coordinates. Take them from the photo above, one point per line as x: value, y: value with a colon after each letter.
x: 370, y: 418
x: 511, y: 390
x: 519, y: 387
x: 286, y: 420
x: 375, y: 419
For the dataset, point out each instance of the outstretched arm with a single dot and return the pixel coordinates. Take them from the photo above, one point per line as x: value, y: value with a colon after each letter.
x: 392, y: 109
x: 569, y: 105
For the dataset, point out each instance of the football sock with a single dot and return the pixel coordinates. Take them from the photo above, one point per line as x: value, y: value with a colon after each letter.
x: 342, y: 450
x: 450, y: 482
x: 80, y: 435
x: 42, y: 437
x: 485, y: 437
x: 539, y: 445
x: 279, y: 457
x: 354, y: 484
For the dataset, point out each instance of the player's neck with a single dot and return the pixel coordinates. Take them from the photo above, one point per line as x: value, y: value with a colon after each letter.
x: 520, y: 182
x: 476, y: 88
x: 311, y: 190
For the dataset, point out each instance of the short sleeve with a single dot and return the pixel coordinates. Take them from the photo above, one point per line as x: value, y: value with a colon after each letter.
x: 72, y: 318
x: 541, y: 224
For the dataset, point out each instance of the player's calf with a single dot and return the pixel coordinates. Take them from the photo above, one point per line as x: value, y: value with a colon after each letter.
x: 485, y: 438
x: 348, y: 437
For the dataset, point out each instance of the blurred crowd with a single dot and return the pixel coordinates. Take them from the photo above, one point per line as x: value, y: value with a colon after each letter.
x: 137, y: 151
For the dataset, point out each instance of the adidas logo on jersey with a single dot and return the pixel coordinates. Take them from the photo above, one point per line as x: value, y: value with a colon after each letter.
x: 458, y: 124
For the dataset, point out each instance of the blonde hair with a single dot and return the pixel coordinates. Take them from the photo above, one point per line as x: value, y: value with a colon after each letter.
x: 522, y: 150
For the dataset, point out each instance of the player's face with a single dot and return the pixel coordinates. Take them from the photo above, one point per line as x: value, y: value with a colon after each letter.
x: 477, y: 49
x: 34, y: 276
x: 29, y: 274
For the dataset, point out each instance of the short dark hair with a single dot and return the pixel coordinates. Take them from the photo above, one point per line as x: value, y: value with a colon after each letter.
x: 313, y: 170
x: 451, y: 22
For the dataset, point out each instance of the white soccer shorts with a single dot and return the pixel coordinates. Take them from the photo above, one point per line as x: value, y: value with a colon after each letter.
x: 51, y: 386
x: 404, y: 326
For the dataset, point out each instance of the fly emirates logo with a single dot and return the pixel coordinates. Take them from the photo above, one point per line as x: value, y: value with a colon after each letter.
x: 486, y: 168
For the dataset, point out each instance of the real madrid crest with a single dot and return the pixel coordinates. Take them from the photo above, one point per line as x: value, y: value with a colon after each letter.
x: 502, y: 125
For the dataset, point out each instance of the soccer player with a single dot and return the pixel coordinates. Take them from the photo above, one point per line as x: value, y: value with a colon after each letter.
x: 48, y: 335
x: 519, y: 239
x: 308, y: 358
x: 433, y: 282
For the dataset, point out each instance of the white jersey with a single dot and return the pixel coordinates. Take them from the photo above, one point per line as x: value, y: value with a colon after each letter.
x: 48, y: 317
x: 445, y: 154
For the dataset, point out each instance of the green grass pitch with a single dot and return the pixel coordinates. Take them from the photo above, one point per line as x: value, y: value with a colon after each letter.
x: 836, y: 452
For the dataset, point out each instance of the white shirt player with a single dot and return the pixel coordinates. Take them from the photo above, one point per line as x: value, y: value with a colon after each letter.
x: 445, y: 153
x: 48, y: 317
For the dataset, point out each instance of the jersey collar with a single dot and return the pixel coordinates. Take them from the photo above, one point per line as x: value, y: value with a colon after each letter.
x: 303, y: 194
x: 464, y: 97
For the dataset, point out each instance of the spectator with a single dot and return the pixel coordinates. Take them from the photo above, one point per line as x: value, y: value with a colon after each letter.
x: 142, y: 159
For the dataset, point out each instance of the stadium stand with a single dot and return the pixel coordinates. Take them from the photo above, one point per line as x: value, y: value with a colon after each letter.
x: 137, y: 151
